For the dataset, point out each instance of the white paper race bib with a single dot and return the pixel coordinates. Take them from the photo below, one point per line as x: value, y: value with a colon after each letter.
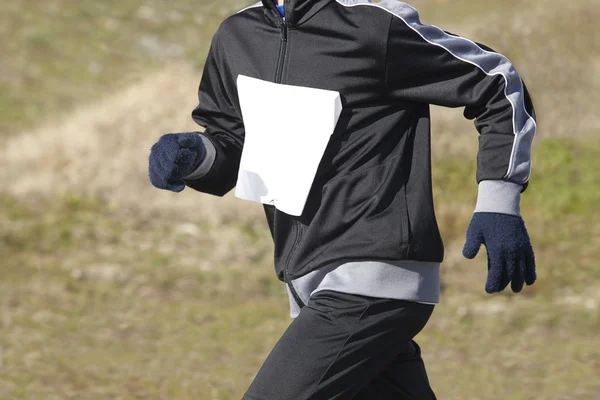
x: 287, y: 131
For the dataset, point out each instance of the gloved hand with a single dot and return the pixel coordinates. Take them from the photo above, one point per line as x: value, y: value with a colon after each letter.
x: 510, y: 255
x: 173, y: 157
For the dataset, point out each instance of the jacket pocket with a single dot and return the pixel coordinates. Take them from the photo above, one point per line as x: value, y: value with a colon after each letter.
x: 404, y: 221
x: 360, y: 216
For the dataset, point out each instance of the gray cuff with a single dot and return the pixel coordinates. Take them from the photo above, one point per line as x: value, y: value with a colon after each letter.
x: 208, y: 161
x: 499, y: 197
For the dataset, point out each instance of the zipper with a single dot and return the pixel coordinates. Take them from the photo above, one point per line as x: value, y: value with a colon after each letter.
x: 295, y: 294
x: 298, y: 235
x: 278, y: 78
x: 282, y: 51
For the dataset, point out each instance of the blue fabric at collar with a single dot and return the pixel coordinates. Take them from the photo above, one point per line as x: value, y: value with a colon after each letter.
x: 280, y: 9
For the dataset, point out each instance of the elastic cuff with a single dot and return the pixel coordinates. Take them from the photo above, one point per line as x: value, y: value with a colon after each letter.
x: 499, y: 197
x: 207, y: 163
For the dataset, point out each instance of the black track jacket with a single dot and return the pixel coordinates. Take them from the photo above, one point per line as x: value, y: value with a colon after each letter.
x: 371, y: 198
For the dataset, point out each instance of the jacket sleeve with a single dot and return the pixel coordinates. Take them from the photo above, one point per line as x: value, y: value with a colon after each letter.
x: 428, y: 65
x: 218, y: 112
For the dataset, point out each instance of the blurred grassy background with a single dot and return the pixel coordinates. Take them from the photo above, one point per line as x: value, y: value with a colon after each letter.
x: 111, y: 289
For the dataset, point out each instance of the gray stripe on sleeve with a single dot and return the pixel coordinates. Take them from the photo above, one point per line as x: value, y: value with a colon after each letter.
x: 257, y: 4
x: 490, y: 63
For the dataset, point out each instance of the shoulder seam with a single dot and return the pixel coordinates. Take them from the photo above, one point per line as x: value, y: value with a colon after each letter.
x: 255, y: 5
x: 527, y: 124
x: 387, y: 47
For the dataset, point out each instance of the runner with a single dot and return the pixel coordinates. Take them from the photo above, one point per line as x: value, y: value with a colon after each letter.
x: 361, y: 258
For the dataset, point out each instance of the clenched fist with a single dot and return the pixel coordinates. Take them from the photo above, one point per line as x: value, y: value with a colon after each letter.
x: 173, y: 157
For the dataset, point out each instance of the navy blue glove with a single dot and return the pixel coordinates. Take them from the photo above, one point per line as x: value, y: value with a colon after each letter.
x: 173, y: 157
x: 510, y: 255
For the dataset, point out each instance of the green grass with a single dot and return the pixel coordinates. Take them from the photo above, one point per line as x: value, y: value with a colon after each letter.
x: 108, y: 316
x: 561, y: 208
x: 102, y: 299
x: 66, y: 52
x: 563, y: 183
x: 99, y: 303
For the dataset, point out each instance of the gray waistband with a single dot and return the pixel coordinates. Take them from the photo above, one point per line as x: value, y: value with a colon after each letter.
x: 401, y: 280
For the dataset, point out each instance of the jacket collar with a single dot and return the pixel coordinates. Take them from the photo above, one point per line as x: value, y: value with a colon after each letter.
x: 296, y: 11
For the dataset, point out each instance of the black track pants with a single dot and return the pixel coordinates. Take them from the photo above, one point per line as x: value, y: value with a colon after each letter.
x: 345, y: 346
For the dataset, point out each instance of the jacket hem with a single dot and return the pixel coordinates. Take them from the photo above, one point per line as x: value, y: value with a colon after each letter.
x: 409, y: 280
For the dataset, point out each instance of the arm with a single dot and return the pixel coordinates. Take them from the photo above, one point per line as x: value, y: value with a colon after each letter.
x: 224, y: 129
x: 425, y: 64
x: 209, y: 161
